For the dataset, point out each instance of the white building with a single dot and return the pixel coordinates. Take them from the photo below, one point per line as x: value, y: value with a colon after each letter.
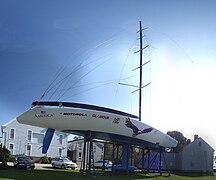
x: 28, y: 140
x: 76, y: 146
x: 197, y: 156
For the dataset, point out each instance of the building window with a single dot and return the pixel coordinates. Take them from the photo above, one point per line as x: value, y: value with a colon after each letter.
x: 60, y: 152
x: 60, y: 139
x: 205, y: 154
x: 11, y: 148
x: 200, y: 144
x: 28, y: 150
x: 4, y: 139
x: 29, y: 135
x: 192, y: 164
x: 80, y: 155
x: 192, y: 153
x: 80, y: 144
x: 12, y: 133
x: 94, y: 149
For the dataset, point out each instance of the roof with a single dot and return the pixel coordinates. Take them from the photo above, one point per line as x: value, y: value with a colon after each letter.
x: 4, y: 125
x: 198, y: 139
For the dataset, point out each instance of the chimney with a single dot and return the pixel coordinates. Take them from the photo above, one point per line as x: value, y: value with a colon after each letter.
x: 195, y: 137
x: 188, y: 141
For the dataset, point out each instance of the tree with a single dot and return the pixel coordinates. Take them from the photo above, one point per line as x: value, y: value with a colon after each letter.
x: 4, y: 156
x: 182, y: 141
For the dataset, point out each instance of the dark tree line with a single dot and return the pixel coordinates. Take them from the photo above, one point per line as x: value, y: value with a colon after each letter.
x: 4, y: 156
x: 182, y: 141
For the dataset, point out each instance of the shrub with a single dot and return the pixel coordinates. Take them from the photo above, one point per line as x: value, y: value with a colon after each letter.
x: 45, y: 160
x: 12, y: 158
x: 4, y: 156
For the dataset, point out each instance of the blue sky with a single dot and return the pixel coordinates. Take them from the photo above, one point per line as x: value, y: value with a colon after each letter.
x: 40, y: 38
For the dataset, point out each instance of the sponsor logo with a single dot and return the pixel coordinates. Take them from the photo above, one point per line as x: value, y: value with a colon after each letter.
x: 100, y: 116
x: 43, y: 112
x: 116, y: 120
x: 44, y: 115
x: 74, y: 114
x: 135, y: 129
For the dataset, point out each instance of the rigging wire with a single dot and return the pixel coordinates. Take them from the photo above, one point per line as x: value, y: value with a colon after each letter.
x: 69, y: 78
x: 120, y: 78
x: 148, y: 114
x: 87, y: 90
x: 59, y: 84
x: 177, y: 44
x: 53, y: 84
x: 99, y: 82
x: 49, y: 86
x: 86, y: 75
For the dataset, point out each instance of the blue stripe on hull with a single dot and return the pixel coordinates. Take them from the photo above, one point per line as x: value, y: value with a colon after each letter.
x: 47, y: 140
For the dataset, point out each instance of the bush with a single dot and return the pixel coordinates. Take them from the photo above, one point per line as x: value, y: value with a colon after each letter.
x: 12, y: 158
x: 4, y: 156
x: 50, y: 159
x: 45, y: 160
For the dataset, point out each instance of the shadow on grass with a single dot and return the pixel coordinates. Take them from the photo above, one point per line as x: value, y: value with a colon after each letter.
x: 59, y: 174
x: 192, y: 174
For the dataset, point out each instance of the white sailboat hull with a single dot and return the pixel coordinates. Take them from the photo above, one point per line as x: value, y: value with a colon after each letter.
x: 105, y: 125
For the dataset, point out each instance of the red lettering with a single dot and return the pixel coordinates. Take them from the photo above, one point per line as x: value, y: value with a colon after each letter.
x: 100, y: 116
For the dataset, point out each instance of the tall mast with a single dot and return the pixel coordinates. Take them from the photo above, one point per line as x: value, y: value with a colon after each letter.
x: 140, y: 83
x: 140, y: 67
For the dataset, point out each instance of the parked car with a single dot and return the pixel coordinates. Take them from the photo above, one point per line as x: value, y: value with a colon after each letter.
x: 106, y: 163
x: 63, y: 163
x: 24, y: 162
x: 121, y: 168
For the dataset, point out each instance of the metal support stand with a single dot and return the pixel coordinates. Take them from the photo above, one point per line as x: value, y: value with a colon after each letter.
x: 131, y: 155
x: 155, y: 160
x: 160, y: 162
x: 113, y: 158
x: 104, y: 157
x: 117, y: 154
x: 169, y: 173
x: 143, y: 156
x: 148, y: 165
x: 88, y: 154
x: 83, y: 163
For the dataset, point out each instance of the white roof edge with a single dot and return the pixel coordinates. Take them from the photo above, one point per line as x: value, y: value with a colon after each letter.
x: 4, y: 125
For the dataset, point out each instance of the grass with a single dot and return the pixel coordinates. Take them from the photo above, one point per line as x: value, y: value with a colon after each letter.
x: 58, y: 174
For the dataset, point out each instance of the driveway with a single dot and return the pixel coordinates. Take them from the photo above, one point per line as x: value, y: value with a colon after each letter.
x: 37, y: 165
x: 41, y: 166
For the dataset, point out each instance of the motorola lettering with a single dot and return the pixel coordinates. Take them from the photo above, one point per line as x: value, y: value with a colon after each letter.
x: 74, y: 114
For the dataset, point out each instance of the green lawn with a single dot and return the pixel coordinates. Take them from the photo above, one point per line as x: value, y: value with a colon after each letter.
x: 58, y: 174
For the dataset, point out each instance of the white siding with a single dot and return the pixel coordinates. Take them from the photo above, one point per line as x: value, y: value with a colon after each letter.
x: 77, y: 147
x: 197, y: 156
x: 26, y: 137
